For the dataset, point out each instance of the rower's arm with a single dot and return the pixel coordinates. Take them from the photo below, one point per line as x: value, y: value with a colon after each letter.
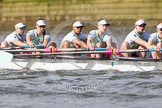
x: 45, y: 42
x: 19, y: 43
x: 80, y: 43
x: 29, y: 42
x: 89, y: 43
x: 143, y: 43
x: 108, y: 43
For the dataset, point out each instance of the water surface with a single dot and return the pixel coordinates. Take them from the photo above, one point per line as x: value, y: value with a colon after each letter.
x: 80, y: 89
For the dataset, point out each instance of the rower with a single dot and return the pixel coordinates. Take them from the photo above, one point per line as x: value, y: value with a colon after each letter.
x: 137, y: 39
x: 38, y: 36
x: 99, y: 39
x: 17, y: 37
x: 75, y: 38
x: 156, y: 39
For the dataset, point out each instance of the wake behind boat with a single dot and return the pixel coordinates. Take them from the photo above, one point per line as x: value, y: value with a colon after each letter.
x: 77, y: 63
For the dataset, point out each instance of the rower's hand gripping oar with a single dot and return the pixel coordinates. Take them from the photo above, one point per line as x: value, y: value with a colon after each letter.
x: 5, y: 57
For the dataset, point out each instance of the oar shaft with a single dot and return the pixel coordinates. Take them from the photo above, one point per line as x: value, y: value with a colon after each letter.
x: 133, y: 50
x: 81, y: 51
x: 78, y: 49
x: 64, y: 53
x: 47, y: 50
x: 69, y: 49
x: 9, y: 48
x: 20, y: 47
x: 108, y: 52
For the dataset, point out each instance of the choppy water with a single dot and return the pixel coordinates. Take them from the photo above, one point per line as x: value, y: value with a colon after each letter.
x: 80, y: 89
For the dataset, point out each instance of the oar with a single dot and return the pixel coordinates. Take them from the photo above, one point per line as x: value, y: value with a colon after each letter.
x: 20, y: 47
x: 70, y: 52
x: 135, y: 50
x: 78, y: 49
x: 130, y: 51
x: 81, y: 50
x: 53, y: 50
x: 5, y: 57
x: 66, y: 53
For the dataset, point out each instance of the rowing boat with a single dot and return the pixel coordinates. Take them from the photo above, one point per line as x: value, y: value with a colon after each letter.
x: 77, y: 64
x: 66, y: 60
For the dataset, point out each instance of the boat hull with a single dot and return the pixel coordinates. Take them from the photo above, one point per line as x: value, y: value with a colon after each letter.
x: 72, y: 64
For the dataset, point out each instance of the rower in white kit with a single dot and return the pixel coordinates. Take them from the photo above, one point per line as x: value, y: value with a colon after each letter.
x: 156, y: 40
x: 38, y: 36
x: 17, y: 37
x: 137, y: 39
x: 100, y: 39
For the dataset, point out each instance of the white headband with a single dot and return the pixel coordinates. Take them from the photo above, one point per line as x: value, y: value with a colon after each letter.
x: 140, y: 21
x: 20, y: 25
x: 103, y: 22
x: 159, y: 26
x: 41, y: 23
x: 78, y: 24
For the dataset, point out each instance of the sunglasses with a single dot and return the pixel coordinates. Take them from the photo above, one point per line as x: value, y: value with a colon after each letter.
x: 142, y: 25
x: 22, y: 28
x: 79, y: 27
x: 42, y: 26
x: 106, y: 25
x: 160, y: 29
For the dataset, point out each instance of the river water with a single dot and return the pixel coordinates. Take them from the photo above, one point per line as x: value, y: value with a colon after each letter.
x: 81, y: 88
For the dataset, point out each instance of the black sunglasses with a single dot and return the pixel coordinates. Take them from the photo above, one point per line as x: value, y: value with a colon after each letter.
x: 142, y: 25
x: 22, y: 28
x: 160, y: 29
x: 79, y: 27
x: 42, y: 26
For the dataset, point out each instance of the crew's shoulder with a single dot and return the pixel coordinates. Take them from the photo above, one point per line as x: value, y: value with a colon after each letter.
x: 133, y: 32
x: 70, y: 33
x: 92, y: 32
x: 12, y: 34
x: 31, y: 31
x: 153, y: 34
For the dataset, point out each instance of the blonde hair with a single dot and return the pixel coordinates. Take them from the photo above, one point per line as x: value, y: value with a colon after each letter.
x: 17, y: 21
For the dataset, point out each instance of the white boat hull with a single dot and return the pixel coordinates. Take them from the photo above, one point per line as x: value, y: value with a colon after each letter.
x: 71, y: 64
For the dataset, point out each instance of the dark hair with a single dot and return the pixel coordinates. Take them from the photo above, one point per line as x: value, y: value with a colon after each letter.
x: 44, y: 30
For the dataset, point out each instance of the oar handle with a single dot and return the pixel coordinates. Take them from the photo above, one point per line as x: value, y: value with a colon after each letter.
x: 100, y: 49
x: 36, y: 46
x: 152, y: 50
